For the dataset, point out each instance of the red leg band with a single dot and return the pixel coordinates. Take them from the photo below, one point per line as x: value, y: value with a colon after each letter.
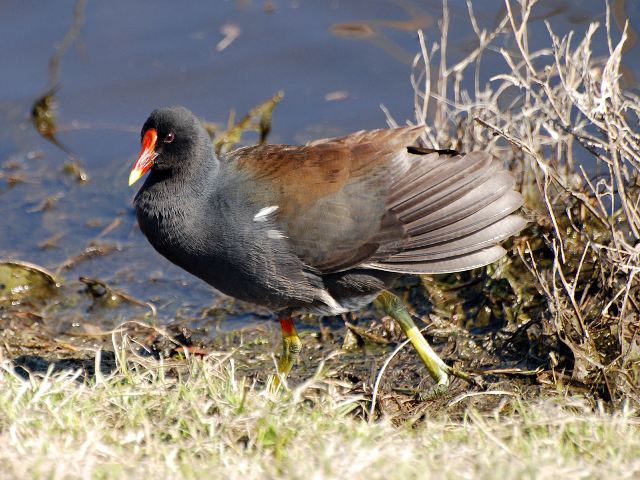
x: 287, y: 326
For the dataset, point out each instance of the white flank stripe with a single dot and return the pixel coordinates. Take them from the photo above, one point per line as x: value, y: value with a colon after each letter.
x: 262, y: 215
x: 275, y: 234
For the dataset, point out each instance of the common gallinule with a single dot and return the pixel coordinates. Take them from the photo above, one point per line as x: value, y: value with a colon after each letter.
x: 324, y: 227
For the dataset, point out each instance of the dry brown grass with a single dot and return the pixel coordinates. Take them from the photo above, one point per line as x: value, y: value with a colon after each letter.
x: 562, y: 121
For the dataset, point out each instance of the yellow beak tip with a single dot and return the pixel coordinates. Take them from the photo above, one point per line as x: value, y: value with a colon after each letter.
x: 134, y: 177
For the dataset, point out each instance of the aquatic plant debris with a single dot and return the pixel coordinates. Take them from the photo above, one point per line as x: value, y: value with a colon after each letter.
x: 19, y: 279
x: 226, y: 140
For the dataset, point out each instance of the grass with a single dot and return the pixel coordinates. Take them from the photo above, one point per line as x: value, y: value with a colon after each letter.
x: 197, y: 418
x: 567, y: 297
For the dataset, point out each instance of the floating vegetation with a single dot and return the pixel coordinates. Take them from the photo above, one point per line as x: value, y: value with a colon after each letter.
x: 20, y: 279
x: 75, y: 169
x: 44, y: 118
x: 43, y: 111
x: 263, y: 113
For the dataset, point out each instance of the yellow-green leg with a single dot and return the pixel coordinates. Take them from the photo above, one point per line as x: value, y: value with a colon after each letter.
x: 438, y: 370
x: 291, y: 347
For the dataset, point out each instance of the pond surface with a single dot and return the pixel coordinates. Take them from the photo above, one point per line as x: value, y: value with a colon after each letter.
x: 336, y: 62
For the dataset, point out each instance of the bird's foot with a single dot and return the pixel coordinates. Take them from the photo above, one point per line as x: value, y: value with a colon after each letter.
x: 291, y: 347
x: 475, y: 380
x: 443, y: 386
x: 432, y: 393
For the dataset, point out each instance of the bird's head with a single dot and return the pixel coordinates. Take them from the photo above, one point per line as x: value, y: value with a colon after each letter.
x: 170, y: 139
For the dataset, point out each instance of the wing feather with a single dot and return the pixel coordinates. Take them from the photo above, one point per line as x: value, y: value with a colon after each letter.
x: 367, y: 200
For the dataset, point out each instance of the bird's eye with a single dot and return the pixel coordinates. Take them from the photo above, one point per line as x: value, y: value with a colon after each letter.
x: 169, y: 138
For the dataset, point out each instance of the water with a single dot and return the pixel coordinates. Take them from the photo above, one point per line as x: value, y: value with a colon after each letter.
x: 130, y: 57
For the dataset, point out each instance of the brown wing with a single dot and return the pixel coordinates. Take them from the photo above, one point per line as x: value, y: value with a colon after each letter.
x: 331, y: 194
x: 364, y: 199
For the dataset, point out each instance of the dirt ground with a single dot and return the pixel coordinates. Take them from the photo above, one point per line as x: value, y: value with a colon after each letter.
x: 351, y: 350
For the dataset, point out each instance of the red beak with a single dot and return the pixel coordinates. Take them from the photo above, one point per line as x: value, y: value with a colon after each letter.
x: 147, y: 156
